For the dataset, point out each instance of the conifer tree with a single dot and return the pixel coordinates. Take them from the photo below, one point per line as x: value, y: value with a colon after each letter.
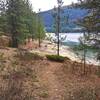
x: 2, y: 16
x: 59, y: 21
x: 57, y: 18
x: 16, y: 21
x: 40, y: 31
x: 19, y: 21
x: 92, y: 21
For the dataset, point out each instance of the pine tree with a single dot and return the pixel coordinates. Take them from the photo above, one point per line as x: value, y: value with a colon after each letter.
x: 91, y: 23
x: 40, y: 31
x: 57, y: 18
x: 59, y: 21
x: 30, y: 19
x: 2, y: 17
x: 19, y: 21
x: 15, y: 18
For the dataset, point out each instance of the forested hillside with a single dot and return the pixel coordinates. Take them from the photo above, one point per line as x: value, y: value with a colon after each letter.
x: 73, y: 15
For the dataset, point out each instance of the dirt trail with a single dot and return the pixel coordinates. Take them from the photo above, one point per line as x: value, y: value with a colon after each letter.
x: 50, y: 80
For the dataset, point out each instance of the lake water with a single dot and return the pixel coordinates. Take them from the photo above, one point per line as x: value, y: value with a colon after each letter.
x: 74, y: 37
x: 71, y: 40
x: 68, y: 37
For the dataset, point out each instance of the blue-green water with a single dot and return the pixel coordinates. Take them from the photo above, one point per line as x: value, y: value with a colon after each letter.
x: 72, y: 40
x: 68, y: 38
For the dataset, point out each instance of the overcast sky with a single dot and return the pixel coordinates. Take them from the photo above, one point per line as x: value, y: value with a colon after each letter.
x: 47, y: 4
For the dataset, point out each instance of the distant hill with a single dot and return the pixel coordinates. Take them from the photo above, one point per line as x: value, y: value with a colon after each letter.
x: 73, y: 13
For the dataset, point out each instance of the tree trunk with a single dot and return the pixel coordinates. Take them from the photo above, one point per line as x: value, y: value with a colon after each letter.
x: 58, y: 29
x: 32, y: 38
x: 39, y: 42
x: 14, y: 42
x: 84, y: 57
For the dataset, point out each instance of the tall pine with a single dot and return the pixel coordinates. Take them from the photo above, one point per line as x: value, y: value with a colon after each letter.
x: 15, y: 18
x: 19, y: 21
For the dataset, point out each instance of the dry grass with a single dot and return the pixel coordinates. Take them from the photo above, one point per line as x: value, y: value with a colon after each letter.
x: 26, y: 76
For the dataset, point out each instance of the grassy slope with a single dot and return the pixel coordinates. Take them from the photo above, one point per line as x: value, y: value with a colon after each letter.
x: 27, y: 77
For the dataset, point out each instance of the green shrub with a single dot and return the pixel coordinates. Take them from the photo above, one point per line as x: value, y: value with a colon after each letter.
x: 55, y: 58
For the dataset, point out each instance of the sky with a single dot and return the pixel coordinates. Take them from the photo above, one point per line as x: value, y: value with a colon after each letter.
x: 47, y: 4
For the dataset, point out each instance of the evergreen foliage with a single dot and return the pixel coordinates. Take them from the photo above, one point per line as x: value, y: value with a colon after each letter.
x: 2, y: 17
x: 91, y: 23
x: 18, y: 20
x: 40, y: 31
x: 55, y: 58
x: 57, y: 22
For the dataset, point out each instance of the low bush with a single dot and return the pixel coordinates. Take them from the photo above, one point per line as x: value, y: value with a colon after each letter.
x: 55, y: 58
x: 25, y: 55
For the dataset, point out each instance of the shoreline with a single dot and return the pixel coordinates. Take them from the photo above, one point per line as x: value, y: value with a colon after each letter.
x: 50, y: 48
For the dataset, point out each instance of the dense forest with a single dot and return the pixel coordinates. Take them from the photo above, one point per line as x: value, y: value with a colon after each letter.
x: 18, y: 20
